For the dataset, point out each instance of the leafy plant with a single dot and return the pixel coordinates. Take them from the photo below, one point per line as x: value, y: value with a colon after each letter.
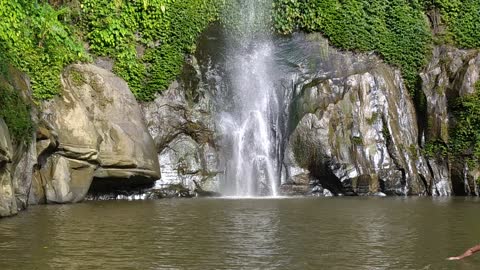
x: 396, y: 29
x: 462, y: 19
x: 464, y: 141
x: 465, y: 137
x: 16, y: 114
x: 147, y: 39
x: 34, y: 38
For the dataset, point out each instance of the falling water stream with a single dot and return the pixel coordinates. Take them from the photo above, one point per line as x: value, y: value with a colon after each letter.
x: 252, y: 110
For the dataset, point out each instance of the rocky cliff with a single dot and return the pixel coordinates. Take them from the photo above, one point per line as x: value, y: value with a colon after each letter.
x: 17, y: 147
x: 181, y: 123
x: 451, y: 74
x: 91, y: 137
x: 354, y: 128
x: 351, y: 128
x: 98, y: 135
x: 8, y: 204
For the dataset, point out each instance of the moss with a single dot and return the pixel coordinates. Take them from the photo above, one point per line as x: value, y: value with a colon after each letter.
x: 37, y: 39
x: 465, y: 135
x: 372, y: 120
x: 413, y: 151
x: 305, y: 152
x: 16, y: 113
x: 77, y: 77
x: 167, y: 30
x: 396, y: 29
x: 357, y: 141
x: 386, y: 133
x: 435, y: 148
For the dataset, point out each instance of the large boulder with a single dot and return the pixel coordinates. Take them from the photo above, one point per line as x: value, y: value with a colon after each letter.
x: 100, y: 134
x: 353, y: 125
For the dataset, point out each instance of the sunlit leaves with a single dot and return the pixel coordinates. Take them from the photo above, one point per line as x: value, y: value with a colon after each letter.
x: 34, y: 39
x: 396, y: 29
x: 147, y: 38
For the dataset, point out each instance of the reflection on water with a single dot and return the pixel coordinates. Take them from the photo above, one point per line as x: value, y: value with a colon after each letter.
x: 334, y: 233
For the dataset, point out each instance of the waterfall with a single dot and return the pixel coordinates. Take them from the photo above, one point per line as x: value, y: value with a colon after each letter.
x: 249, y: 115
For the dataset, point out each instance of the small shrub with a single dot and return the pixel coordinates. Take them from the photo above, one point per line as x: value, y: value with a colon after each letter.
x: 465, y: 136
x: 16, y: 114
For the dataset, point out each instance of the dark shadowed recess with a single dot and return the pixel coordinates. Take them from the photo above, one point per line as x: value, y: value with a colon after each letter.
x: 119, y: 186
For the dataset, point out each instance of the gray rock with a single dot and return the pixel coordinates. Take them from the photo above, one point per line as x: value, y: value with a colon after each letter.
x: 181, y: 123
x: 100, y: 134
x: 451, y: 73
x: 23, y: 175
x: 17, y: 157
x: 355, y: 127
x: 8, y: 203
x: 66, y: 180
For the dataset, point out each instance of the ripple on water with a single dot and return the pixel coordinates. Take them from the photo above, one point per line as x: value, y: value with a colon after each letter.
x: 332, y: 233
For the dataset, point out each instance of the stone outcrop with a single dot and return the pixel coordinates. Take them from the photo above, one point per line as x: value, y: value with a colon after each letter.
x: 8, y: 204
x: 17, y: 158
x: 350, y: 129
x: 353, y: 126
x: 451, y: 73
x: 181, y: 123
x: 94, y: 130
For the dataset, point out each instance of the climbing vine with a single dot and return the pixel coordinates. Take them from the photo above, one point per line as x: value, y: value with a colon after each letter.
x: 396, y: 29
x: 462, y: 20
x: 465, y: 137
x: 15, y: 112
x: 464, y: 141
x: 34, y: 37
x: 147, y: 39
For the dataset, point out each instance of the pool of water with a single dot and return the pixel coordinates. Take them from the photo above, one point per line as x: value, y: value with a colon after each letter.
x: 303, y: 233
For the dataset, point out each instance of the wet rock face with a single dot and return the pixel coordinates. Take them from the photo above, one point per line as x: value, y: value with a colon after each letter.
x: 181, y: 123
x: 451, y: 73
x: 353, y: 127
x: 17, y: 158
x: 8, y: 204
x: 93, y: 131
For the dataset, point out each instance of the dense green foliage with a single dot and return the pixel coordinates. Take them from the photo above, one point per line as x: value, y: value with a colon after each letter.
x: 14, y: 111
x: 465, y: 137
x: 464, y: 142
x: 16, y: 114
x: 462, y: 18
x: 397, y: 29
x: 148, y: 38
x: 35, y: 38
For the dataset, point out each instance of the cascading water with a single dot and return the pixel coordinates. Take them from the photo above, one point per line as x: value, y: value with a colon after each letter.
x: 249, y: 116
